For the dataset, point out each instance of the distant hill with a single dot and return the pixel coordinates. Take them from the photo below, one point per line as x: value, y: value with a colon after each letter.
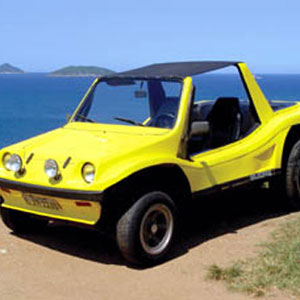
x: 82, y: 71
x: 9, y: 69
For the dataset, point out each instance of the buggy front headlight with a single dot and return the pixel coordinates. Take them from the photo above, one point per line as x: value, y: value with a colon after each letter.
x: 51, y: 168
x: 88, y: 172
x: 12, y: 162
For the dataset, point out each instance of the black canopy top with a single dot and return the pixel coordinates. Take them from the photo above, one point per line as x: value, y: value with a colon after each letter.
x: 176, y: 70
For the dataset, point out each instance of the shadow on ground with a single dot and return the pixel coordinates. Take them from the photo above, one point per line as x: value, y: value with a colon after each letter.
x: 207, y: 219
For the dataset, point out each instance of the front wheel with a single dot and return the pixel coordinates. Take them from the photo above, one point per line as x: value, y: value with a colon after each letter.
x: 146, y: 231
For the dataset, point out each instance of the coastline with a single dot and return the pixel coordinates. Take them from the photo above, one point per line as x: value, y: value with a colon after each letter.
x: 73, y: 75
x: 11, y: 73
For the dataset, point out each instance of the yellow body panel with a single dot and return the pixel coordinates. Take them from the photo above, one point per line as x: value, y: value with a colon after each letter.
x: 265, y: 112
x: 119, y: 151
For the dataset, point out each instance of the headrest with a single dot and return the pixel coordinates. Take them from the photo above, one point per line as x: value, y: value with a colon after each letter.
x: 224, y: 111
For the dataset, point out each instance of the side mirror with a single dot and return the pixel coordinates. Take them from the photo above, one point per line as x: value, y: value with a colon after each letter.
x: 199, y: 128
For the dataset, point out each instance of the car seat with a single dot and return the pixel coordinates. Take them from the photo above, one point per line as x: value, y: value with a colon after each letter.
x: 225, y: 122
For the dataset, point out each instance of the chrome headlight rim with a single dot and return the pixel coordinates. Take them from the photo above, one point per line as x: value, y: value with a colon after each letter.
x: 13, y: 162
x: 51, y: 168
x: 5, y: 157
x: 88, y: 172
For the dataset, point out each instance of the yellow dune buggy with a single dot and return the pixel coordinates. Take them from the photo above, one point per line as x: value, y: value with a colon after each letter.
x: 142, y: 144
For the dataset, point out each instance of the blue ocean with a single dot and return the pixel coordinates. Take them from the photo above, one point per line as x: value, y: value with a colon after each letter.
x: 31, y: 104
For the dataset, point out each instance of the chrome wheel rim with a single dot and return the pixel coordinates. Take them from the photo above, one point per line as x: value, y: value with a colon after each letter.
x: 156, y: 229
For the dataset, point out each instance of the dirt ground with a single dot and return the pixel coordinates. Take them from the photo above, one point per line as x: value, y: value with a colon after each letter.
x: 71, y: 263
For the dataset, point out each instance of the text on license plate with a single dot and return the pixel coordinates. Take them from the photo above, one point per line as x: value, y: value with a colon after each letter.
x: 43, y: 202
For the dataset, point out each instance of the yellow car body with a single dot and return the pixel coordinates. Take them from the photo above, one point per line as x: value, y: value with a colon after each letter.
x: 119, y: 152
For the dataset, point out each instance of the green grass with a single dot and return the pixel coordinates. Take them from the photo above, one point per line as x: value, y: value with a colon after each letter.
x: 227, y: 274
x: 277, y: 265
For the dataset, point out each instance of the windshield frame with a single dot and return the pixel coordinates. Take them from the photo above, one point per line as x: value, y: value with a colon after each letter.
x: 98, y: 80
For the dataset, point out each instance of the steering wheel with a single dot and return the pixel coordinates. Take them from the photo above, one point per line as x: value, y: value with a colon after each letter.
x: 165, y: 120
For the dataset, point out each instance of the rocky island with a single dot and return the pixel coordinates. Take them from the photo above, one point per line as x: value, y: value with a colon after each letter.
x: 9, y: 69
x: 82, y: 71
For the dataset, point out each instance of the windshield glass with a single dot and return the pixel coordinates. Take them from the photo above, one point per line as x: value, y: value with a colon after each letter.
x: 125, y: 101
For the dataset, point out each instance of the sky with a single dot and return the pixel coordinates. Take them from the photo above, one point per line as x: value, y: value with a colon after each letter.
x: 41, y: 36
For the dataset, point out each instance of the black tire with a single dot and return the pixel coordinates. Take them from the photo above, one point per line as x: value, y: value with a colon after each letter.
x: 146, y: 231
x: 292, y: 175
x: 20, y: 222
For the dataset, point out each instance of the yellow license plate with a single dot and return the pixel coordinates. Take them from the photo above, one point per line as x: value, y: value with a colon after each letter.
x: 44, y: 202
x: 52, y: 207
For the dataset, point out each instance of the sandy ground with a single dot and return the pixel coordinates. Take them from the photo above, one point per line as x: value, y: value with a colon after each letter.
x: 72, y: 263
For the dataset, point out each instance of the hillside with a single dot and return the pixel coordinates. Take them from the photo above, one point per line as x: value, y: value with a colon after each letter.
x: 81, y: 71
x: 9, y: 69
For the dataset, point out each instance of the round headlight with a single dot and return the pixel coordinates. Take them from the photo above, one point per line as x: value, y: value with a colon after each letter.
x: 51, y: 168
x: 12, y: 162
x: 88, y: 172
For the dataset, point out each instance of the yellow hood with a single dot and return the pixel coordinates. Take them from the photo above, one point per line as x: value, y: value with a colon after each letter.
x: 101, y: 145
x: 89, y: 142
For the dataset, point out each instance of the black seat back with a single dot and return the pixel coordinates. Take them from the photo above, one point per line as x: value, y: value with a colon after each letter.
x: 225, y: 121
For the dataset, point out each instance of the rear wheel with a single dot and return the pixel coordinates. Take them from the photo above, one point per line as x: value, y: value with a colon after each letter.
x: 292, y: 175
x: 146, y: 231
x: 287, y: 185
x: 20, y: 222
